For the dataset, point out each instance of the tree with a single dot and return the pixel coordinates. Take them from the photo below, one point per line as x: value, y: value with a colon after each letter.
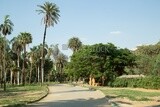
x: 11, y: 64
x: 55, y: 52
x: 6, y: 29
x: 60, y: 63
x: 24, y: 38
x: 102, y: 61
x: 74, y: 44
x: 35, y: 55
x: 17, y: 48
x: 32, y: 55
x: 51, y: 16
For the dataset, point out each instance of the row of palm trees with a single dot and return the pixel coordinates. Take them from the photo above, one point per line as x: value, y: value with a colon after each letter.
x: 27, y: 66
x: 6, y: 29
x: 51, y: 16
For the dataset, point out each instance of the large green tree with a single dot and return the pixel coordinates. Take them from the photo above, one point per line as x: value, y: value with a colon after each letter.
x: 6, y: 29
x: 51, y: 17
x: 102, y: 61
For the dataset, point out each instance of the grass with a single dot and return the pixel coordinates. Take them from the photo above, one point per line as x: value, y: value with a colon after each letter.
x: 20, y: 95
x: 134, y: 95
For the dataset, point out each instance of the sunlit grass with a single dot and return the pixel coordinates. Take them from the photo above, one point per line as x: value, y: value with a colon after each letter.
x: 20, y: 95
x: 134, y: 95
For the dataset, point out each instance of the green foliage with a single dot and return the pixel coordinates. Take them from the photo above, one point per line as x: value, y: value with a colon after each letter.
x: 48, y: 66
x: 156, y: 68
x: 148, y: 59
x: 150, y: 82
x: 99, y: 60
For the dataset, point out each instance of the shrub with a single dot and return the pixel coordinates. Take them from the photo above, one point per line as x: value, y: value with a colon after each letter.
x: 150, y: 82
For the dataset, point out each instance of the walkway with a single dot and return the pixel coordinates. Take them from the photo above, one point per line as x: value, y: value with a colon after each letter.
x: 63, y: 95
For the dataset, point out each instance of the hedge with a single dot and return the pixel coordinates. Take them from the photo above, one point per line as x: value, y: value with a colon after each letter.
x: 150, y: 82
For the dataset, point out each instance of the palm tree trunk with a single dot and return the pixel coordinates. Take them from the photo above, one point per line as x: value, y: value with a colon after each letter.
x: 38, y: 73
x: 17, y: 77
x: 4, y: 64
x: 11, y: 76
x: 18, y: 69
x: 42, y: 61
x: 21, y: 76
x: 23, y: 71
x: 30, y: 73
x: 14, y: 78
x: 55, y: 66
x: 1, y: 79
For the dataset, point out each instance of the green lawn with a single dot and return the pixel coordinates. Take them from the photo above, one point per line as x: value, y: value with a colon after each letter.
x: 134, y: 95
x: 20, y: 95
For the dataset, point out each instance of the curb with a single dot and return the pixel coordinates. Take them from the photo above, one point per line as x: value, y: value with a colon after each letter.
x: 39, y: 98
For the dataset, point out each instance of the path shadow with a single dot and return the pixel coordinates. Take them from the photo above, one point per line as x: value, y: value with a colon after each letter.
x: 74, y: 103
x: 72, y: 91
x: 154, y: 106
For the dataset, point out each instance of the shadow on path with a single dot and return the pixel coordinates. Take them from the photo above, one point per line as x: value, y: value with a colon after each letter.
x: 74, y: 103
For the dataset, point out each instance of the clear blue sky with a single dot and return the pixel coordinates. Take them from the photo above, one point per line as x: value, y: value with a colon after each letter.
x: 126, y: 23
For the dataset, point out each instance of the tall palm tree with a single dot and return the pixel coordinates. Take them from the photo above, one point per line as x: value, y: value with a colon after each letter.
x: 17, y: 48
x: 6, y: 29
x: 51, y: 17
x: 24, y: 38
x: 74, y: 44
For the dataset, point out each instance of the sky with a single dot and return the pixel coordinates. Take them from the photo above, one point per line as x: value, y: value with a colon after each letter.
x: 125, y: 23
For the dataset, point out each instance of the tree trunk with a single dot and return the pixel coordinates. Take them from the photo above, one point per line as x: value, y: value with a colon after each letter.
x: 22, y: 76
x: 17, y: 77
x: 1, y: 78
x: 55, y: 66
x: 42, y: 61
x: 30, y: 73
x: 103, y: 80
x: 4, y: 64
x: 14, y: 78
x: 11, y: 77
x: 23, y: 71
x: 48, y: 77
x: 38, y: 73
x: 18, y: 69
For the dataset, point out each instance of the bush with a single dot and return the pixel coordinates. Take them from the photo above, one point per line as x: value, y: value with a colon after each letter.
x: 151, y: 82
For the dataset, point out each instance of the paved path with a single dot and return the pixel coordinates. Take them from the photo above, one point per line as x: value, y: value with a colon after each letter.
x: 62, y: 95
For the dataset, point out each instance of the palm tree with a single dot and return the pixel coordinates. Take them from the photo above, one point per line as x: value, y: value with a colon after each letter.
x: 51, y: 16
x: 24, y: 38
x: 74, y: 44
x: 35, y: 55
x: 61, y: 62
x: 11, y: 64
x: 6, y: 29
x: 55, y: 52
x: 17, y: 48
